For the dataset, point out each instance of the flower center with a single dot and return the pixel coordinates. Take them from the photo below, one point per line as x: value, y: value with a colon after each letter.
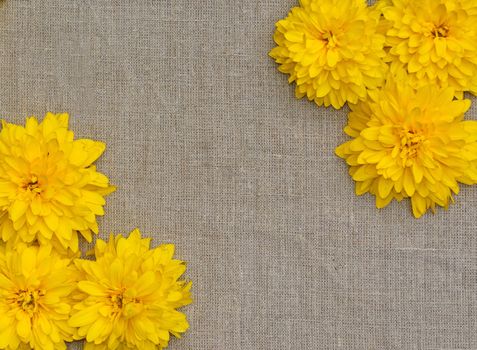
x: 440, y: 31
x: 127, y: 307
x: 411, y: 141
x: 32, y: 184
x: 329, y: 38
x: 27, y: 300
x: 117, y: 301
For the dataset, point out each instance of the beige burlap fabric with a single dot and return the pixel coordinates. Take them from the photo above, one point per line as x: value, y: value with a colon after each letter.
x: 211, y: 151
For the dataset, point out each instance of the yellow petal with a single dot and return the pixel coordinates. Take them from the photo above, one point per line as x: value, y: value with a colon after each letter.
x: 84, y: 317
x: 441, y: 46
x: 117, y: 272
x: 92, y: 288
x: 18, y: 209
x: 23, y: 325
x: 408, y: 182
x: 418, y: 206
x: 28, y: 261
x: 418, y: 172
x: 296, y: 37
x: 332, y: 58
x: 96, y: 329
x: 92, y: 149
x: 371, y: 133
x: 383, y: 202
x: 384, y: 187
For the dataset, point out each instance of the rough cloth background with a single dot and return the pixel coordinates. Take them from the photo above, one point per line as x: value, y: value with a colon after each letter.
x: 211, y: 151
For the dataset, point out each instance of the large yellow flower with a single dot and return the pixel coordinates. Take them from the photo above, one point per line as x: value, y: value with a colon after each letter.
x: 332, y: 50
x: 434, y: 41
x: 36, y: 295
x: 49, y: 189
x: 130, y: 295
x: 411, y: 144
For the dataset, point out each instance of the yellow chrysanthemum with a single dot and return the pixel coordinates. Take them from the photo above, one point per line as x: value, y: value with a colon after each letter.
x: 332, y: 50
x: 36, y: 295
x: 411, y: 144
x: 49, y: 189
x: 435, y: 42
x: 131, y: 294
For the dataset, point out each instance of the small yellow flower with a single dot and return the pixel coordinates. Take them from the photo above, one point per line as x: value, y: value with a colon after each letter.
x: 131, y: 294
x: 36, y: 295
x: 434, y: 41
x: 332, y: 50
x: 411, y: 144
x: 49, y: 189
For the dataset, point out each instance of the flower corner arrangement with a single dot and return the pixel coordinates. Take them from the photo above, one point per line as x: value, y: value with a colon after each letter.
x: 50, y: 191
x: 50, y: 197
x: 412, y: 144
x: 434, y: 42
x: 129, y: 295
x: 403, y: 67
x: 37, y: 291
x: 332, y: 50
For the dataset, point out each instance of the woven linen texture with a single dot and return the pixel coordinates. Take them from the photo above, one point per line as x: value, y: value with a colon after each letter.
x: 211, y: 151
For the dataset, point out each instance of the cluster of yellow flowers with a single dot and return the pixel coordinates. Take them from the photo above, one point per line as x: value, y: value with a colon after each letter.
x: 50, y: 192
x: 403, y: 67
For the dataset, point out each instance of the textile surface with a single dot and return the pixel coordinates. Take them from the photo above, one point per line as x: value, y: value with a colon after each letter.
x: 211, y: 151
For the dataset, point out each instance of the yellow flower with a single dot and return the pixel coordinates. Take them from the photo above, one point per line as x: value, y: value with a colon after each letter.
x: 435, y: 42
x: 411, y: 144
x: 49, y: 189
x: 36, y: 295
x: 332, y: 50
x: 130, y: 295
